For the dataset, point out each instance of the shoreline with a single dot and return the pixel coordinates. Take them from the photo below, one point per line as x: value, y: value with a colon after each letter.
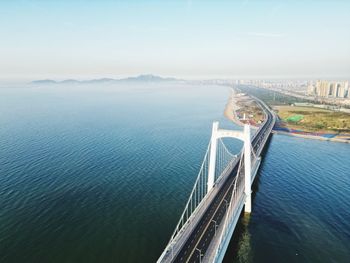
x: 312, y: 137
x: 229, y: 113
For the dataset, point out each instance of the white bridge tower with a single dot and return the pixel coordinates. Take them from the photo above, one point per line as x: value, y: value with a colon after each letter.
x: 243, y: 136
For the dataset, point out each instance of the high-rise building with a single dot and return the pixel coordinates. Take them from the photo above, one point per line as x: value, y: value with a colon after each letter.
x: 322, y: 88
x: 332, y: 89
x: 341, y: 89
x: 311, y: 90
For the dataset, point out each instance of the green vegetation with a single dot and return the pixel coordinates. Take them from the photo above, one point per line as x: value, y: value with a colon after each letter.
x: 314, y: 119
x: 295, y: 118
x: 301, y: 118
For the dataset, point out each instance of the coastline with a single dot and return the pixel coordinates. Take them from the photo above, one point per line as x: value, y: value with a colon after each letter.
x: 229, y: 113
x: 312, y: 137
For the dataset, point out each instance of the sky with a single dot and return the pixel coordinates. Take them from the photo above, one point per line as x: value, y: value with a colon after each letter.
x: 187, y: 39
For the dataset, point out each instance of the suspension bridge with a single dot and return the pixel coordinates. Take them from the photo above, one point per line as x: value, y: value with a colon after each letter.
x: 221, y: 190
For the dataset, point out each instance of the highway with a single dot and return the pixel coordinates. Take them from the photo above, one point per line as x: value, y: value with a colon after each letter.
x: 202, y: 234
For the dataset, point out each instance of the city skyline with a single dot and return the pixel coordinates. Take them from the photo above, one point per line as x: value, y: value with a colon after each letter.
x: 187, y: 39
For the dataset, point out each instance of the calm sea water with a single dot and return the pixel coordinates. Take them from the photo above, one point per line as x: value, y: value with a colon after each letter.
x: 101, y: 174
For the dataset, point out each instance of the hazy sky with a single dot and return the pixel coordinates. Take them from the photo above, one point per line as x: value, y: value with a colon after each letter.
x: 190, y: 39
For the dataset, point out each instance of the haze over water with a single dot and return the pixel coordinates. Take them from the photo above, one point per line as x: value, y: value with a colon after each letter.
x: 98, y: 173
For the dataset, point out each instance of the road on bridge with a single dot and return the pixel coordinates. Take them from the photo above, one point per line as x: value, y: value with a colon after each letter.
x: 201, y: 236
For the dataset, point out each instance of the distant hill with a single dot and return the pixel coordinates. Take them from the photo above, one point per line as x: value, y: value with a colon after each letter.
x: 70, y: 81
x: 149, y: 78
x: 140, y: 78
x: 44, y: 81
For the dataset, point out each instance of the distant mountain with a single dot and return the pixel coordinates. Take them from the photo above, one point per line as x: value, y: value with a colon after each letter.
x: 140, y: 78
x: 69, y: 81
x: 44, y: 81
x: 148, y: 78
x: 103, y: 80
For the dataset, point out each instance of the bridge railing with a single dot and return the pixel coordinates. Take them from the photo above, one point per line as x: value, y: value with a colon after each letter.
x: 197, y: 195
x: 197, y: 201
x: 232, y: 212
x: 200, y: 198
x: 216, y: 249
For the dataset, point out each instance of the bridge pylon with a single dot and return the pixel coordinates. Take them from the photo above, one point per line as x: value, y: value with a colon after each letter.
x: 247, y: 170
x: 243, y: 136
x: 212, y: 156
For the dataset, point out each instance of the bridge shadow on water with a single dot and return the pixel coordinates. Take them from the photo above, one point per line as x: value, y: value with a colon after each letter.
x: 239, y: 249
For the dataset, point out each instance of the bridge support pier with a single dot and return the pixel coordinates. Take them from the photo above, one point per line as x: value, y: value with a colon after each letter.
x: 247, y: 169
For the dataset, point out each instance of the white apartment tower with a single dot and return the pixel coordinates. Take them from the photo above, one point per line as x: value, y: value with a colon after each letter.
x: 332, y: 89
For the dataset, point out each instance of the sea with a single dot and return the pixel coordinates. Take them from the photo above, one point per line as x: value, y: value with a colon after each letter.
x: 101, y: 173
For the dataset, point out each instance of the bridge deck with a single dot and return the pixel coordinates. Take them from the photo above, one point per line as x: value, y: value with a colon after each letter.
x: 198, y: 238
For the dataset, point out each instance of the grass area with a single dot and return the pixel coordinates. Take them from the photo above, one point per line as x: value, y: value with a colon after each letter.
x: 302, y: 118
x: 295, y: 118
x: 314, y: 119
